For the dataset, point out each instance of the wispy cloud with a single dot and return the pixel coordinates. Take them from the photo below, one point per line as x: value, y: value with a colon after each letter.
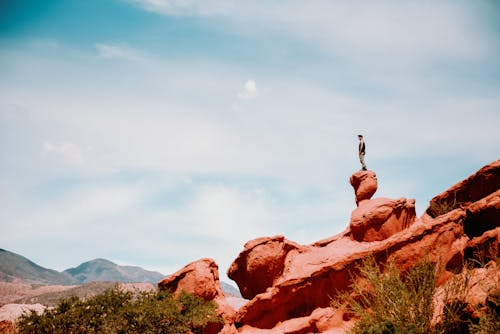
x: 116, y: 51
x: 185, y: 7
x: 314, y: 73
x: 68, y: 152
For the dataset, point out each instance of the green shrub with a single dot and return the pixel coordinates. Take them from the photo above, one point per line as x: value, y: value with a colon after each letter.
x: 443, y: 206
x: 393, y: 302
x: 115, y: 311
x: 388, y: 301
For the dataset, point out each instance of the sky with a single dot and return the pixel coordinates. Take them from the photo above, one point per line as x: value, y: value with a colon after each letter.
x: 159, y: 132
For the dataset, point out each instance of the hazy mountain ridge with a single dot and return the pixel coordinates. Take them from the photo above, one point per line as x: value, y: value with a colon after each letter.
x: 16, y: 268
x: 105, y: 270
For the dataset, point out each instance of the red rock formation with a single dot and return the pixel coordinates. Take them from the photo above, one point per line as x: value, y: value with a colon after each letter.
x: 475, y: 187
x: 483, y: 215
x: 319, y: 321
x: 484, y: 248
x: 260, y: 263
x: 7, y: 327
x: 311, y: 275
x: 291, y: 286
x: 364, y: 184
x: 201, y: 278
x: 380, y: 218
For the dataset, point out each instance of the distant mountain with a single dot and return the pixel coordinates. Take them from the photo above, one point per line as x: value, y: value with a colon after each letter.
x: 230, y: 290
x: 16, y: 268
x: 105, y: 270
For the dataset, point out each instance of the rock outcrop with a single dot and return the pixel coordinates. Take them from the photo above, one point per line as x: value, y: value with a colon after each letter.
x: 380, y: 218
x: 260, y: 264
x: 475, y: 187
x: 364, y: 184
x: 290, y: 286
x: 201, y: 278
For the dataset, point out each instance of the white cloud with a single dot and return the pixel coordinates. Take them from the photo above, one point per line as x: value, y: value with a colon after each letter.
x: 387, y: 29
x: 399, y: 31
x: 115, y: 51
x: 172, y: 117
x: 249, y: 91
x: 185, y: 7
x: 79, y: 211
x: 68, y: 152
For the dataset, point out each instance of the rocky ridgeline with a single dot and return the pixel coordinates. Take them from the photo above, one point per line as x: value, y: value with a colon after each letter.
x: 289, y: 286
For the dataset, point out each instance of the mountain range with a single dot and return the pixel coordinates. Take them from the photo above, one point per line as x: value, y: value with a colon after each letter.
x: 18, y: 269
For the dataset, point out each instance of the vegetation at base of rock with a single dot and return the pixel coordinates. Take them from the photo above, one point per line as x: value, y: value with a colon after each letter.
x: 386, y: 300
x: 393, y: 303
x: 489, y: 323
x: 115, y: 311
x: 438, y: 208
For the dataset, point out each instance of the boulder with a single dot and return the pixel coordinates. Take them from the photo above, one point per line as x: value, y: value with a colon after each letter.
x: 260, y: 263
x: 380, y: 218
x: 364, y: 184
x: 201, y: 278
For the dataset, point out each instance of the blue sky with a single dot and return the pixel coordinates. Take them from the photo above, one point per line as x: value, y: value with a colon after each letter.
x: 157, y: 132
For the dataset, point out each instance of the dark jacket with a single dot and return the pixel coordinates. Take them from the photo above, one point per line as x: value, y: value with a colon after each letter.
x: 362, y: 147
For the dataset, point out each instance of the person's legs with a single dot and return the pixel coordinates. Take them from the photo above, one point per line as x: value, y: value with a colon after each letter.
x: 362, y: 160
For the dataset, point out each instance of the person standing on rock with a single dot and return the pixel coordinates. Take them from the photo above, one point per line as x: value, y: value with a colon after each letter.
x: 362, y: 150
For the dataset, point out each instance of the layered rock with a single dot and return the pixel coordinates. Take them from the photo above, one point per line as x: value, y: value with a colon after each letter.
x: 475, y: 187
x: 383, y: 228
x: 380, y: 218
x: 483, y: 215
x: 313, y: 276
x: 364, y: 184
x: 291, y: 285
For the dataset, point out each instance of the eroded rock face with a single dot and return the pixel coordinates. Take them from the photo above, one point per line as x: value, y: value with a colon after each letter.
x: 291, y: 285
x: 260, y: 263
x: 477, y: 186
x: 312, y: 277
x: 483, y: 215
x: 383, y: 228
x: 364, y: 184
x: 380, y: 218
x: 201, y: 278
